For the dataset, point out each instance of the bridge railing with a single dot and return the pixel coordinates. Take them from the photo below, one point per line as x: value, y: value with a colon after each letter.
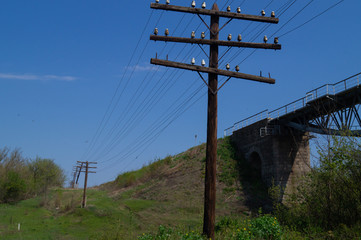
x: 332, y: 89
x: 289, y: 108
x: 324, y: 90
x: 246, y: 122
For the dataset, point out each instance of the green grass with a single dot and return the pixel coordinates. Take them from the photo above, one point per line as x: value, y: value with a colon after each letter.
x: 47, y: 222
x: 136, y: 205
x: 165, y: 192
x: 163, y: 200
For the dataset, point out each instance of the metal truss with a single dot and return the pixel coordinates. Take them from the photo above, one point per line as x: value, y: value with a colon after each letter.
x: 339, y: 122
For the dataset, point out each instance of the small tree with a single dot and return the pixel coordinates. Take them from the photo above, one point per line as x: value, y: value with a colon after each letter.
x: 13, y: 188
x: 46, y: 174
x: 21, y: 177
x: 330, y: 194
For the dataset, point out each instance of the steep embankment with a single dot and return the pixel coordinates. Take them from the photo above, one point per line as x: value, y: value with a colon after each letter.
x: 168, y: 192
x: 177, y: 184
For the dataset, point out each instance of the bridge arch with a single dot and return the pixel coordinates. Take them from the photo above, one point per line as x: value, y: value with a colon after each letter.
x: 255, y: 159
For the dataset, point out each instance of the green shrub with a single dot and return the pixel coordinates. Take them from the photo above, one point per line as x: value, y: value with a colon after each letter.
x: 13, y: 188
x: 265, y: 227
x: 46, y: 174
x: 228, y: 170
x: 21, y: 178
x: 162, y: 234
x: 243, y: 234
x: 330, y: 195
x: 126, y: 179
x: 226, y: 222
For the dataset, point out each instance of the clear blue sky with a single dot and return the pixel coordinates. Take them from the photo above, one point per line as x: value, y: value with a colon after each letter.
x: 62, y: 61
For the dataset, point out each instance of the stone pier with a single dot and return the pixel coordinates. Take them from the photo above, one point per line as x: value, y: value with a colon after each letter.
x: 281, y: 154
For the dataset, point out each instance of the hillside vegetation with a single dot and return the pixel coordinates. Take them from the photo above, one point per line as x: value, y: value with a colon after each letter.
x: 22, y: 178
x: 166, y: 192
x: 164, y: 200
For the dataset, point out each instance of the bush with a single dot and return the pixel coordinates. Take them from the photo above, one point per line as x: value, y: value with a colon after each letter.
x: 21, y: 178
x: 126, y: 179
x: 165, y: 233
x: 265, y: 227
x: 227, y: 165
x: 13, y: 188
x: 330, y: 195
x: 46, y: 174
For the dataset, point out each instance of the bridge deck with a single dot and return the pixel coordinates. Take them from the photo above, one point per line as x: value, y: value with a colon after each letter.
x: 326, y: 99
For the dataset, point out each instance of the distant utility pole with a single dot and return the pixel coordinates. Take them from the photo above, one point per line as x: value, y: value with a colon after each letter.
x: 213, y: 72
x: 83, y: 204
x: 74, y: 181
x: 79, y: 167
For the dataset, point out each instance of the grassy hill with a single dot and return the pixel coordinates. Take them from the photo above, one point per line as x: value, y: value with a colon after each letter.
x: 166, y: 192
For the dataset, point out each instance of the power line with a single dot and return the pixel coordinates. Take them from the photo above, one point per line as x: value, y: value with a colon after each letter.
x: 289, y: 20
x: 102, y: 123
x: 282, y: 10
x: 99, y: 132
x: 182, y: 18
x: 146, y: 104
x: 163, y: 119
x: 301, y: 25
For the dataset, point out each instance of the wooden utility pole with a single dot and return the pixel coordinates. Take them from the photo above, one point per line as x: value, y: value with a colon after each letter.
x: 83, y: 204
x: 211, y: 149
x: 75, y: 172
x: 79, y: 170
x: 213, y: 72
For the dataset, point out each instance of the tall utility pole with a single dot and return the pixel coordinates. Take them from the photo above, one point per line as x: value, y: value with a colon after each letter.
x: 83, y: 204
x: 211, y: 148
x: 213, y: 72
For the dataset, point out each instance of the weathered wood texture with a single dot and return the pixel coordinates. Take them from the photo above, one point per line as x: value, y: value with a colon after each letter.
x: 211, y: 147
x: 215, y: 42
x: 212, y: 70
x: 83, y: 204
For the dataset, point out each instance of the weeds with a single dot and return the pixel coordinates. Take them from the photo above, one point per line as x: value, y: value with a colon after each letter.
x: 262, y: 227
x: 165, y: 233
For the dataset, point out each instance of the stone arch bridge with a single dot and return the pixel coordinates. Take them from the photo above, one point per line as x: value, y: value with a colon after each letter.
x: 277, y: 142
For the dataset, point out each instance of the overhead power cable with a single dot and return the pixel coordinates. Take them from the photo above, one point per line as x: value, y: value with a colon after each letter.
x: 163, y: 120
x: 242, y: 3
x: 289, y: 20
x: 103, y: 122
x: 152, y: 140
x: 281, y: 11
x: 311, y: 19
x: 146, y: 105
x: 133, y: 69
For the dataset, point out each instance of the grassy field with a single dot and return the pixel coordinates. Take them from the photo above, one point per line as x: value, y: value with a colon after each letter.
x: 163, y: 200
x: 60, y: 216
x: 165, y: 192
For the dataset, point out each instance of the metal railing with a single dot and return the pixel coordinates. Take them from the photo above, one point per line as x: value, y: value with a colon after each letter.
x: 332, y: 89
x: 246, y: 122
x: 325, y: 90
x: 289, y: 108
